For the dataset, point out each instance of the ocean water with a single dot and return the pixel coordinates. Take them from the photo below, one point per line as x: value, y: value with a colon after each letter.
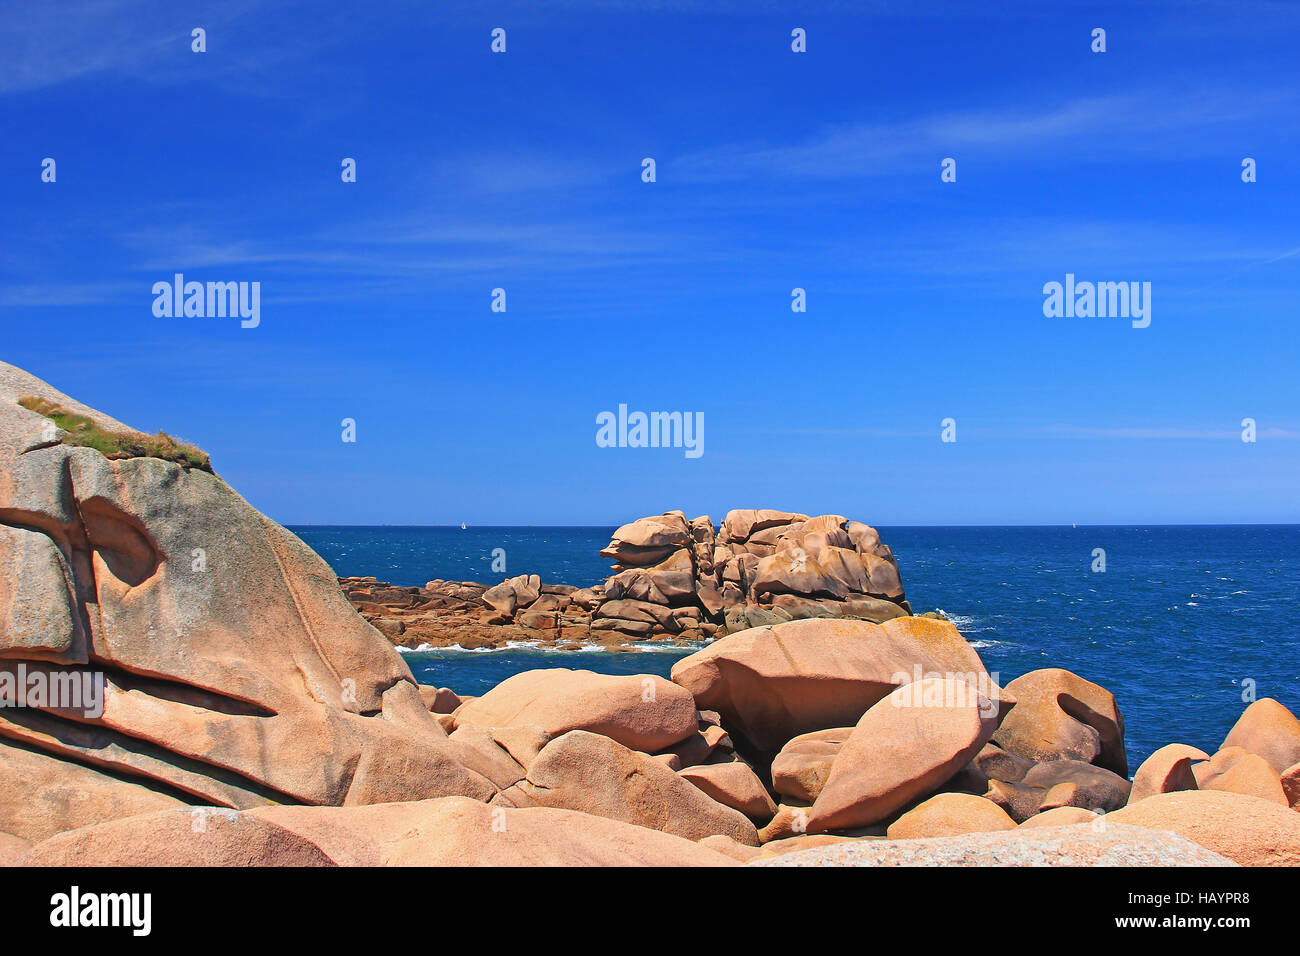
x: 1184, y: 624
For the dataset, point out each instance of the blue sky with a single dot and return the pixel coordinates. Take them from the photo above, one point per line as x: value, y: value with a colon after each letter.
x: 775, y: 170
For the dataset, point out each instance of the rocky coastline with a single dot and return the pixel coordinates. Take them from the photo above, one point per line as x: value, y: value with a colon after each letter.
x: 249, y: 714
x: 676, y: 581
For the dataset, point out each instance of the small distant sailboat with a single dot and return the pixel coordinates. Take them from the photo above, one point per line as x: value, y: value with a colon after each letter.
x: 462, y: 526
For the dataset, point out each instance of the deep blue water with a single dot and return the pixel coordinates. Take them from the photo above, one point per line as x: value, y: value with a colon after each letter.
x: 1180, y: 622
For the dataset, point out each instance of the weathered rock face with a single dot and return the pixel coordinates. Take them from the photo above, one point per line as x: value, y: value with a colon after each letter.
x: 43, y: 795
x: 771, y: 684
x: 235, y: 672
x: 1060, y: 715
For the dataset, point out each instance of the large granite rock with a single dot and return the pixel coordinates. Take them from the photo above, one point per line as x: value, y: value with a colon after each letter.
x: 733, y: 784
x: 1168, y: 770
x: 904, y: 748
x: 649, y: 540
x: 1266, y: 728
x: 640, y: 711
x: 771, y: 684
x: 235, y: 672
x: 1059, y: 715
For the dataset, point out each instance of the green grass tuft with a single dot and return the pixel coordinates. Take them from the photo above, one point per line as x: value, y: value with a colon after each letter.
x: 81, y: 431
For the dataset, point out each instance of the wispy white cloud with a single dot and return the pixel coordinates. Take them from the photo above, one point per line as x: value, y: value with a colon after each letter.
x: 62, y: 292
x: 981, y: 432
x: 50, y: 43
x: 1098, y: 127
x: 1162, y: 433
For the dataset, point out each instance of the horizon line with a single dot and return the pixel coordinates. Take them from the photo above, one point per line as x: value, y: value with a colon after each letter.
x: 1190, y: 524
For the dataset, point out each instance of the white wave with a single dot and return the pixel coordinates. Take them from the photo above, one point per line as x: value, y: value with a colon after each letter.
x: 545, y: 649
x: 966, y: 623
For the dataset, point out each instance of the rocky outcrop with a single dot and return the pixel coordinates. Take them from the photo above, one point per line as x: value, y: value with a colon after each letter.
x: 227, y: 668
x: 682, y: 576
x: 466, y: 614
x: 676, y: 580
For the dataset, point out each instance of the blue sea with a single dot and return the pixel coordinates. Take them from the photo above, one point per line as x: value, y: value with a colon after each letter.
x: 1184, y: 623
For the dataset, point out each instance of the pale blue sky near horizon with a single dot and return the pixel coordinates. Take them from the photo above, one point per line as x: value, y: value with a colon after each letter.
x: 776, y: 170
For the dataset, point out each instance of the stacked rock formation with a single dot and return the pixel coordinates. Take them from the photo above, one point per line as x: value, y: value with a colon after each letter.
x: 655, y: 587
x: 676, y: 576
